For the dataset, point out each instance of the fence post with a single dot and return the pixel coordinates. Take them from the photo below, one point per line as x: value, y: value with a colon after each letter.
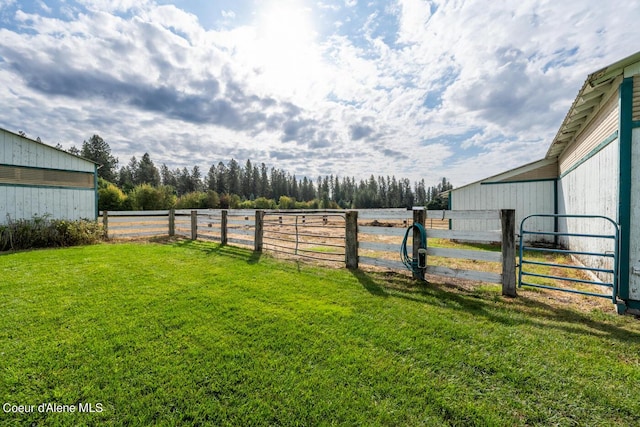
x: 105, y: 223
x: 259, y: 231
x: 172, y: 222
x: 223, y: 227
x: 351, y: 239
x: 419, y: 217
x: 508, y: 219
x: 194, y: 225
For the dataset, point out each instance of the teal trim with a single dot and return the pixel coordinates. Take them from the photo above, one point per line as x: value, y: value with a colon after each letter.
x: 633, y: 304
x: 58, y: 187
x: 46, y: 169
x: 450, y: 206
x: 518, y: 182
x: 592, y: 153
x: 556, y: 227
x: 624, y: 197
x: 95, y: 187
x: 635, y: 124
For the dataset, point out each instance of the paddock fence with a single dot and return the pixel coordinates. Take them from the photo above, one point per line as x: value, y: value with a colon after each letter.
x: 354, y: 238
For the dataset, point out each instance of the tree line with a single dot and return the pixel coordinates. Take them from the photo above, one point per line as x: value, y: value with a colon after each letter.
x: 140, y: 185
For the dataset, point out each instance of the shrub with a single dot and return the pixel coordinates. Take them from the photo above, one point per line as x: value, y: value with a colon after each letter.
x: 264, y: 203
x: 146, y: 197
x: 286, y: 202
x: 110, y: 198
x: 213, y: 200
x: 247, y: 204
x: 193, y: 200
x: 229, y: 201
x: 41, y: 232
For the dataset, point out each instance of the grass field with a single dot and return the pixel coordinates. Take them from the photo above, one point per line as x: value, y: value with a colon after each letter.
x: 188, y: 333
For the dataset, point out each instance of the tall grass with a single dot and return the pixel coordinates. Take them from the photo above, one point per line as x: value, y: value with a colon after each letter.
x: 43, y: 232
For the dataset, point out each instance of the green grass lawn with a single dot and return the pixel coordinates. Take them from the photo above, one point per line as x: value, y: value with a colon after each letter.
x: 194, y: 333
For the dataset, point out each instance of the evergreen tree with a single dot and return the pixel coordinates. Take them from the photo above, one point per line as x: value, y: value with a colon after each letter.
x: 167, y: 176
x: 98, y: 150
x: 147, y: 173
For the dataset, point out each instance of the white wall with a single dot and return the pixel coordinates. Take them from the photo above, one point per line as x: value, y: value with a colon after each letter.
x: 19, y: 151
x: 591, y: 189
x: 23, y: 202
x: 56, y: 203
x: 534, y: 197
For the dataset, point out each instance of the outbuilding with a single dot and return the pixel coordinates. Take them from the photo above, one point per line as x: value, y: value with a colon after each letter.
x: 592, y: 167
x: 37, y: 180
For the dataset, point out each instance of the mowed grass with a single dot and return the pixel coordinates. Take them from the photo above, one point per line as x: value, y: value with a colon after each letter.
x: 192, y: 333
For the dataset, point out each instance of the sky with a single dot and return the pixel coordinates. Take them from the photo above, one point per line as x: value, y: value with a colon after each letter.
x: 461, y: 89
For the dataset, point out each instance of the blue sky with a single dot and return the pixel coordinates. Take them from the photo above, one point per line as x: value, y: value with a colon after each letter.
x: 417, y: 89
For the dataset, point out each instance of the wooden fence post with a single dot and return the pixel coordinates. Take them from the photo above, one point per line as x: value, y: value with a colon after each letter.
x: 259, y: 231
x: 351, y: 239
x: 105, y: 223
x: 508, y: 219
x: 419, y: 217
x: 194, y: 225
x: 223, y: 227
x: 172, y: 222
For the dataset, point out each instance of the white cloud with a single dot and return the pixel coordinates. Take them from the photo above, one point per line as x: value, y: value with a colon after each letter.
x: 467, y: 90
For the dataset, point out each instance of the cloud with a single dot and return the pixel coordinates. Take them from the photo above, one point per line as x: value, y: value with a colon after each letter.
x: 422, y: 89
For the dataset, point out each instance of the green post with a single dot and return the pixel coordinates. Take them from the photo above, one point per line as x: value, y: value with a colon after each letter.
x: 419, y: 217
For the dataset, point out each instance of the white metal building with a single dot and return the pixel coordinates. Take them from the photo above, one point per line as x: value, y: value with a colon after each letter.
x: 527, y: 189
x: 40, y: 180
x: 592, y: 167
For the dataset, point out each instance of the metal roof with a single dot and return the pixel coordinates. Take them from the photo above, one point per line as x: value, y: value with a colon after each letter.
x: 591, y: 97
x: 47, y: 145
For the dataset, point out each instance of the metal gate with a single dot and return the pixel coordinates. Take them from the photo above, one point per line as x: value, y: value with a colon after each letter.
x: 314, y: 235
x: 596, y: 262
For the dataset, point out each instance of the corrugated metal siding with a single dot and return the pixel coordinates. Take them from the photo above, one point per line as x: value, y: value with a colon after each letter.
x: 603, y: 126
x: 636, y: 98
x: 525, y: 197
x: 25, y: 171
x: 57, y: 203
x: 590, y: 189
x: 19, y: 151
x: 634, y: 246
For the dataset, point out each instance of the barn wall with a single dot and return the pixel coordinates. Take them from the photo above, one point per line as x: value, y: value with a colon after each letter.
x: 533, y: 197
x: 34, y: 181
x: 17, y: 202
x: 19, y: 151
x: 591, y: 188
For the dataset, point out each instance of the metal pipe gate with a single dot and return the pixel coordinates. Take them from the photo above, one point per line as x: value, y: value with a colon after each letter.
x: 314, y: 235
x: 613, y: 254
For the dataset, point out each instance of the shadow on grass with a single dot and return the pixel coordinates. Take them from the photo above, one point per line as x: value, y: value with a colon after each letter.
x: 492, y: 306
x: 522, y: 310
x: 368, y: 283
x: 214, y: 248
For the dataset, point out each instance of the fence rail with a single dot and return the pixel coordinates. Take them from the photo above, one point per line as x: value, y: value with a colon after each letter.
x: 353, y: 237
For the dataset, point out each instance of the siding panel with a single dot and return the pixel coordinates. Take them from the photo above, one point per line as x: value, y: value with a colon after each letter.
x: 591, y: 189
x: 536, y: 197
x: 602, y: 127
